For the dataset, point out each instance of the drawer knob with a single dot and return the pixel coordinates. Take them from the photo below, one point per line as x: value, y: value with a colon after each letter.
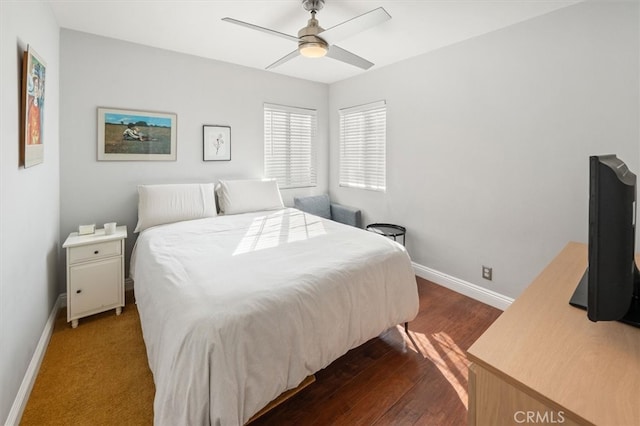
x: 78, y: 291
x: 96, y: 252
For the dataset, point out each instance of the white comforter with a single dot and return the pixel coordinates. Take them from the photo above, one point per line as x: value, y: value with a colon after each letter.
x: 237, y: 309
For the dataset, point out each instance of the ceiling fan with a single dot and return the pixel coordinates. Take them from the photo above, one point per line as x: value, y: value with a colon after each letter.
x: 315, y: 42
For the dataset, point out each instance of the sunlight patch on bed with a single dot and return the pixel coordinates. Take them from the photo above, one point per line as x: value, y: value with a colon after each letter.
x: 278, y: 228
x: 303, y: 227
x: 440, y: 349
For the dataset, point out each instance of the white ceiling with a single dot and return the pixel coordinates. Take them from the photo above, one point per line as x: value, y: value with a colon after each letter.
x: 196, y: 28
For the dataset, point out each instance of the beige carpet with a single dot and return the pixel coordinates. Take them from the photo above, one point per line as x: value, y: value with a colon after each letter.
x: 96, y: 374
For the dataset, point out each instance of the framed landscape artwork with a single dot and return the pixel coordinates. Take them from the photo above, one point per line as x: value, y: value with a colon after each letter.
x: 33, y: 79
x: 129, y: 135
x: 216, y: 143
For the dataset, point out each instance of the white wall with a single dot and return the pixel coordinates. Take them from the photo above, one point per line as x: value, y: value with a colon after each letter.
x: 98, y: 71
x: 488, y: 140
x: 29, y: 198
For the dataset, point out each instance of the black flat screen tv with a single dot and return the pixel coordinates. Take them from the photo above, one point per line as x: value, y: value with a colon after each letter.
x: 610, y: 287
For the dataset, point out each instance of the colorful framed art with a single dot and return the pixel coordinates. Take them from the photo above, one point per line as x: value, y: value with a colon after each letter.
x: 130, y: 135
x: 33, y: 96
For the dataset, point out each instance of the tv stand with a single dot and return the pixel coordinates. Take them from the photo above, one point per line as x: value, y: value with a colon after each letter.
x: 544, y: 362
x: 632, y: 317
x: 581, y: 294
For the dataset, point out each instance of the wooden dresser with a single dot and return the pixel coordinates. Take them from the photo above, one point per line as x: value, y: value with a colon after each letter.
x: 544, y: 362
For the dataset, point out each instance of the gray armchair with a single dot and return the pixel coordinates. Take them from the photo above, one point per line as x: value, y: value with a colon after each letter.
x: 320, y: 205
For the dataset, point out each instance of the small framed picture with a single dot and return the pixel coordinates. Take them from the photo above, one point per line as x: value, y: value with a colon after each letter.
x: 216, y: 143
x: 130, y: 135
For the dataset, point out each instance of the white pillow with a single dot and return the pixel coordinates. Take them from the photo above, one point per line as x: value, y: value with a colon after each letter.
x: 159, y: 204
x: 241, y: 196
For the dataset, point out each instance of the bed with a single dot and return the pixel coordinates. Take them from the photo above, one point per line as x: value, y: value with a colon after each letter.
x: 238, y: 308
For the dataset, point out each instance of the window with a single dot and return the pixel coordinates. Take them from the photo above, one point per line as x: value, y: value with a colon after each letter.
x: 363, y: 136
x: 289, y: 145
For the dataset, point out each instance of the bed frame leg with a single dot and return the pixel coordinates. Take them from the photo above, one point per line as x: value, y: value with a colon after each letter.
x: 406, y: 327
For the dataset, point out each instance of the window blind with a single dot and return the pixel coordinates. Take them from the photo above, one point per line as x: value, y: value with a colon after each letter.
x: 363, y: 136
x: 289, y: 145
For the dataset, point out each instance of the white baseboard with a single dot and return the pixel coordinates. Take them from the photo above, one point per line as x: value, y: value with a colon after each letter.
x: 30, y: 375
x: 473, y: 291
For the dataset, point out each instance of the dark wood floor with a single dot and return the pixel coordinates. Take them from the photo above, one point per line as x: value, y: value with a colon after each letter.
x: 396, y: 379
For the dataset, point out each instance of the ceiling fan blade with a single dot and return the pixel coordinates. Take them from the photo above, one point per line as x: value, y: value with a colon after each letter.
x: 355, y: 25
x: 284, y: 59
x: 264, y: 30
x: 340, y: 54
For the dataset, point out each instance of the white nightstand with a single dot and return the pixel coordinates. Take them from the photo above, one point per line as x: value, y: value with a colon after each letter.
x: 95, y: 273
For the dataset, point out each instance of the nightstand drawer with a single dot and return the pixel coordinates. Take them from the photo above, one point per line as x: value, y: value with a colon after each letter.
x: 94, y: 251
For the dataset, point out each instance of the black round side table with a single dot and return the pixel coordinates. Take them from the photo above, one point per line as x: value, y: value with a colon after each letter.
x: 388, y: 230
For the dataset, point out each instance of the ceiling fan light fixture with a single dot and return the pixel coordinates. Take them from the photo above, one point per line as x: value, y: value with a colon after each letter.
x: 313, y: 49
x: 310, y: 45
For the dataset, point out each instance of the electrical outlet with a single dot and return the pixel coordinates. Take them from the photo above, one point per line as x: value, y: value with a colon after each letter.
x: 487, y: 272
